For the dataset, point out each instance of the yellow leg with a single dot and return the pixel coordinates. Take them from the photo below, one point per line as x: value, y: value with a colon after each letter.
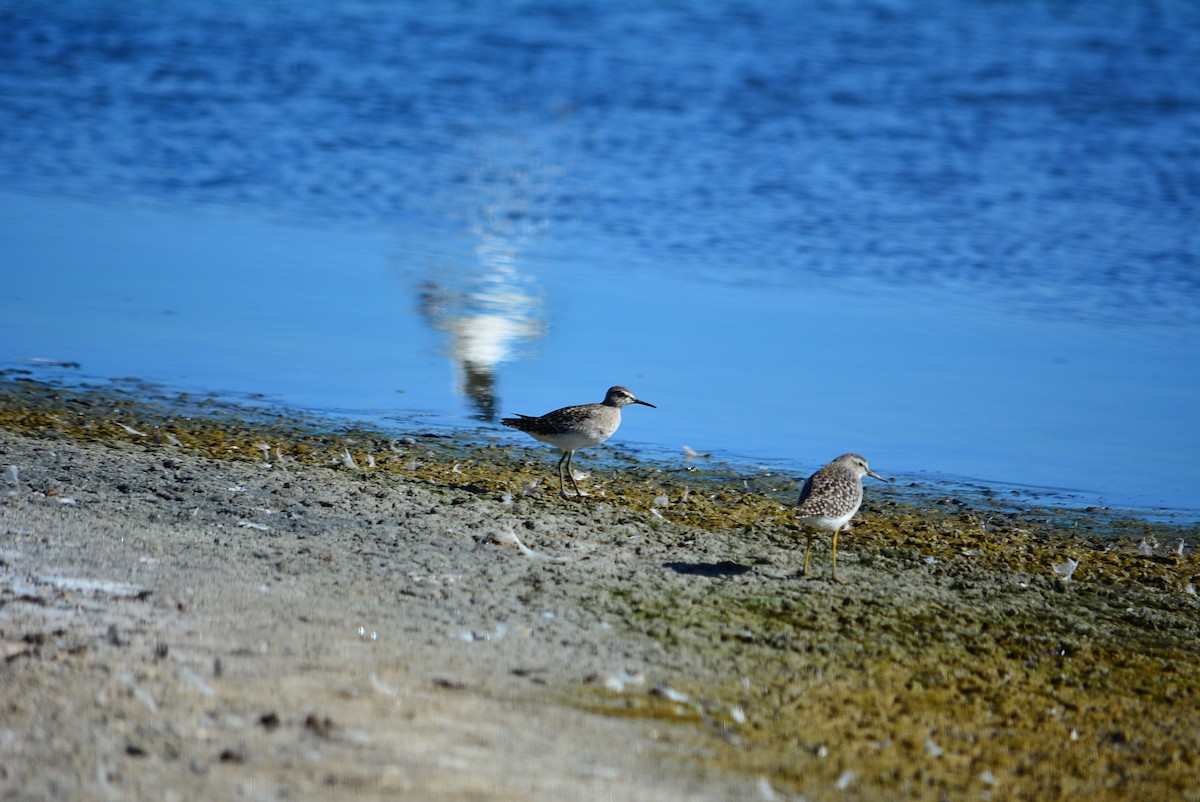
x: 833, y: 574
x: 807, y: 551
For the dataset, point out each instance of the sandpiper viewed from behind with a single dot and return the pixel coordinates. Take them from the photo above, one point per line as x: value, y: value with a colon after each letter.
x: 571, y: 428
x: 830, y: 498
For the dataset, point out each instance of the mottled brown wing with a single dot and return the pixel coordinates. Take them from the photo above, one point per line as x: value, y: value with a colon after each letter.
x: 829, y: 492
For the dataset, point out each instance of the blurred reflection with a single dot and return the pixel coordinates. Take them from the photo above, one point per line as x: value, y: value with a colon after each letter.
x: 490, y: 308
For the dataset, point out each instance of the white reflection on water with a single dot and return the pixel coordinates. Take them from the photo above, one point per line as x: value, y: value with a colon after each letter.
x: 487, y: 323
x: 490, y: 309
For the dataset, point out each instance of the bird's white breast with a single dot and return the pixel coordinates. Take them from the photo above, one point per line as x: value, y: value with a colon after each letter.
x: 828, y: 522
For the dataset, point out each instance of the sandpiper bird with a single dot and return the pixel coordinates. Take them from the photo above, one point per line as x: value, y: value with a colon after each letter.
x: 581, y: 426
x: 830, y: 498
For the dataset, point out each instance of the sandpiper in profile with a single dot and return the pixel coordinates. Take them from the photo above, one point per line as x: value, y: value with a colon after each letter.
x: 576, y: 427
x: 830, y: 498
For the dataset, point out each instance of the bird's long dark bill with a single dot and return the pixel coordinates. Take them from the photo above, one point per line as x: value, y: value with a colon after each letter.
x: 877, y: 476
x: 645, y: 404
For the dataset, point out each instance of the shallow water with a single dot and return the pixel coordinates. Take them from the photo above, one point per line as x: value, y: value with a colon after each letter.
x: 959, y: 240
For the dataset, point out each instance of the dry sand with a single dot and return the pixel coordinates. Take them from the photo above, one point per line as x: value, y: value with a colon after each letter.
x: 182, y: 628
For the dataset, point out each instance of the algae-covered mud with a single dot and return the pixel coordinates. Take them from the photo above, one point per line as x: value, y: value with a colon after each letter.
x: 204, y: 600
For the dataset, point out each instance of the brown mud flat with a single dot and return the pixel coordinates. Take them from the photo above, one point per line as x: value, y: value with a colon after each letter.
x: 222, y: 606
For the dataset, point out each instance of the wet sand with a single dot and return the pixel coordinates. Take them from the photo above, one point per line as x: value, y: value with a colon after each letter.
x: 216, y: 607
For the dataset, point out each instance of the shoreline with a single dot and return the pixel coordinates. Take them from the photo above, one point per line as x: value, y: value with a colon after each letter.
x: 189, y: 604
x: 777, y: 478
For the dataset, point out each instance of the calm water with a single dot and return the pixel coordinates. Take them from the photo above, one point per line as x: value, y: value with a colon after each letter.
x: 959, y: 238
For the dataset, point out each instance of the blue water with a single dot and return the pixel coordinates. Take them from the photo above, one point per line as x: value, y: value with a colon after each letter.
x: 959, y: 238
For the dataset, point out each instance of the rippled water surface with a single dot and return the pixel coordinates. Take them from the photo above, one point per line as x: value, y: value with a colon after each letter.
x: 959, y: 238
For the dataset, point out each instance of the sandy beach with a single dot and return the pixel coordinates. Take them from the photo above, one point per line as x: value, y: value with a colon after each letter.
x: 211, y: 607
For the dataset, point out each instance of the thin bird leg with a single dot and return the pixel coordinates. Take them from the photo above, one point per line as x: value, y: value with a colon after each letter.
x: 571, y: 473
x: 833, y: 573
x: 807, y: 551
x: 562, y: 489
